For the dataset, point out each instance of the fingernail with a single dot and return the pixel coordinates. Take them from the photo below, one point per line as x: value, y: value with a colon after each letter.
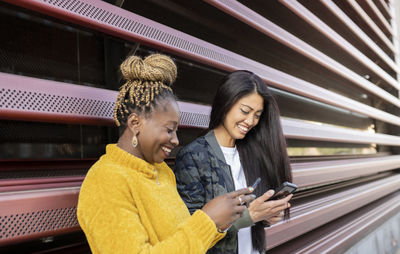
x: 253, y: 196
x: 251, y: 189
x: 271, y: 192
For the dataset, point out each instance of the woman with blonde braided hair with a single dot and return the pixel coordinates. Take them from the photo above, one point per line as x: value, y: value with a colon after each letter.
x: 128, y: 201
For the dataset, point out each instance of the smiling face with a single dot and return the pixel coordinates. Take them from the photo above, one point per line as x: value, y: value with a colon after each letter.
x: 157, y: 133
x: 240, y: 119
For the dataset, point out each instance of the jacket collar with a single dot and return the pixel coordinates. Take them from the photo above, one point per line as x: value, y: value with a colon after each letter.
x: 212, y: 141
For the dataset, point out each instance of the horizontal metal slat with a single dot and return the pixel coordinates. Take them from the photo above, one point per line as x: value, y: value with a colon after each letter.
x: 298, y: 129
x: 31, y: 106
x: 309, y: 216
x: 39, y: 183
x: 341, y: 234
x: 316, y: 173
x: 372, y: 25
x: 42, y: 100
x: 347, y: 235
x: 386, y: 8
x: 328, y: 32
x: 201, y: 51
x: 380, y: 16
x: 265, y: 26
x: 335, y: 10
x: 33, y: 214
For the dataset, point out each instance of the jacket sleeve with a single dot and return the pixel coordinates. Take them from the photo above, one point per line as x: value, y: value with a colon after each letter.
x: 112, y: 224
x: 188, y: 181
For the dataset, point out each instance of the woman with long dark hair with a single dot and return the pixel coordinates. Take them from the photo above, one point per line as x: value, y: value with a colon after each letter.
x: 245, y: 142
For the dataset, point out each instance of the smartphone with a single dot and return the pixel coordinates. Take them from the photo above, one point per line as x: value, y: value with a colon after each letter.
x: 285, y: 189
x: 256, y: 183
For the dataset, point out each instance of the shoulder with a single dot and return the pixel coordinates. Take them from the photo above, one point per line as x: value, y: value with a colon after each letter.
x: 198, y: 146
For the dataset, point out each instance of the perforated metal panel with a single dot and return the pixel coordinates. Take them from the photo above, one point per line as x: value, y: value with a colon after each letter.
x: 21, y: 224
x: 132, y: 23
x: 36, y: 101
x: 23, y: 98
x: 37, y: 213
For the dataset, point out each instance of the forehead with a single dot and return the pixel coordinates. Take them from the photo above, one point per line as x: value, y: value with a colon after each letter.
x: 166, y: 111
x: 253, y: 100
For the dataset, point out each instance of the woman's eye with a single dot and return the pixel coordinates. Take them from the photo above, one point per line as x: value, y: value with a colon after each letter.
x: 244, y: 111
x: 257, y: 116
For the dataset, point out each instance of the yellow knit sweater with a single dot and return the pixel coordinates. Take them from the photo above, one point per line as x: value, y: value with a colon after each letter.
x: 122, y: 209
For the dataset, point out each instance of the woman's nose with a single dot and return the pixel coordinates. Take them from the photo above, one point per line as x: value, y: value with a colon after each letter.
x: 174, y: 139
x: 249, y: 120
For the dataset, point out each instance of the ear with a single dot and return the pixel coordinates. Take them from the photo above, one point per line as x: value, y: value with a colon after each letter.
x: 134, y: 123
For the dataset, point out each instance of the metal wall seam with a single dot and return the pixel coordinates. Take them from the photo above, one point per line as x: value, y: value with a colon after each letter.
x: 328, y: 32
x: 335, y: 10
x: 372, y: 25
x: 265, y: 26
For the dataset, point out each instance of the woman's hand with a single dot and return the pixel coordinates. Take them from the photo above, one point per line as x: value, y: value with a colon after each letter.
x: 274, y: 219
x: 270, y: 211
x: 227, y: 208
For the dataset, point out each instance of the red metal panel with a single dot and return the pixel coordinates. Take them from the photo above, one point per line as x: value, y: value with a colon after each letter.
x: 335, y: 10
x: 34, y: 214
x: 315, y: 213
x: 316, y: 173
x: 265, y: 26
x: 298, y: 129
x: 93, y: 14
x: 51, y: 101
x: 192, y: 115
x: 380, y: 16
x: 372, y: 24
x: 328, y: 32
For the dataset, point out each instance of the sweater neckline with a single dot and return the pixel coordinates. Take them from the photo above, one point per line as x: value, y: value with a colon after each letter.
x: 125, y: 159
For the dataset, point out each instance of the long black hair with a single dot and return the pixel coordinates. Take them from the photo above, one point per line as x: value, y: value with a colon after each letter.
x: 263, y: 150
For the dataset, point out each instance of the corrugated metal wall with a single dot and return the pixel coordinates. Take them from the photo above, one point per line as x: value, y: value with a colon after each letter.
x: 332, y: 65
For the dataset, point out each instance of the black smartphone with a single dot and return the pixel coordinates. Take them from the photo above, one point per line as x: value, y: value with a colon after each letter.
x: 285, y: 189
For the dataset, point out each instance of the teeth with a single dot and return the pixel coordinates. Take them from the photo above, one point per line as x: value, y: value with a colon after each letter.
x: 165, y: 149
x: 243, y: 128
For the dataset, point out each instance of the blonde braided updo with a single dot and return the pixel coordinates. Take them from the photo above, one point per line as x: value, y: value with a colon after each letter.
x: 146, y: 81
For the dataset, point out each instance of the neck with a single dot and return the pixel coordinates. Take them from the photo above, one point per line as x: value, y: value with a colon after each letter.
x: 223, y: 137
x: 125, y: 143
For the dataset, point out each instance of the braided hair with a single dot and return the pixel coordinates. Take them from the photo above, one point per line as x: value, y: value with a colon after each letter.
x: 147, y: 81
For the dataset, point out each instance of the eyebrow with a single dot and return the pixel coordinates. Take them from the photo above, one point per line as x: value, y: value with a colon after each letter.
x: 251, y: 107
x: 174, y: 123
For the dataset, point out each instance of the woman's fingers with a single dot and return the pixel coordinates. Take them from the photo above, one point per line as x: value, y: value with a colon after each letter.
x: 240, y: 192
x: 267, y: 195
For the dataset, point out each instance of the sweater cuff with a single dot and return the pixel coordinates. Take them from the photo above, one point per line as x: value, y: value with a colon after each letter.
x: 244, y: 221
x: 204, y: 228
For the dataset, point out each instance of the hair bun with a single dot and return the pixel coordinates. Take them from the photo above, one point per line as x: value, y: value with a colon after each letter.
x: 155, y: 67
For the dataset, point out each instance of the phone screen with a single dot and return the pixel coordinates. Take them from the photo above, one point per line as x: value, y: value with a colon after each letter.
x: 284, y: 190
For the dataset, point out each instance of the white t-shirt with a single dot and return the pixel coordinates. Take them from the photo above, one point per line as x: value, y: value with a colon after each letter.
x: 232, y: 158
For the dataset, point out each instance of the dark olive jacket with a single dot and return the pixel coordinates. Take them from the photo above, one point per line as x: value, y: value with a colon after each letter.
x: 201, y: 175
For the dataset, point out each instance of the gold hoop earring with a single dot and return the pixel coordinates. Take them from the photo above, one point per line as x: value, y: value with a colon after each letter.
x: 134, y: 141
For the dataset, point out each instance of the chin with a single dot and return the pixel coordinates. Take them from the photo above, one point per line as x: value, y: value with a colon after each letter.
x: 159, y: 160
x: 240, y: 136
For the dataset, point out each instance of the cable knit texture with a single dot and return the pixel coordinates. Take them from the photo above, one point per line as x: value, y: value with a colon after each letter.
x: 122, y: 209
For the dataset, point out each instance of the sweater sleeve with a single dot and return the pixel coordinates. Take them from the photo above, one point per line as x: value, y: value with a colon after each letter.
x: 112, y: 224
x: 188, y: 181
